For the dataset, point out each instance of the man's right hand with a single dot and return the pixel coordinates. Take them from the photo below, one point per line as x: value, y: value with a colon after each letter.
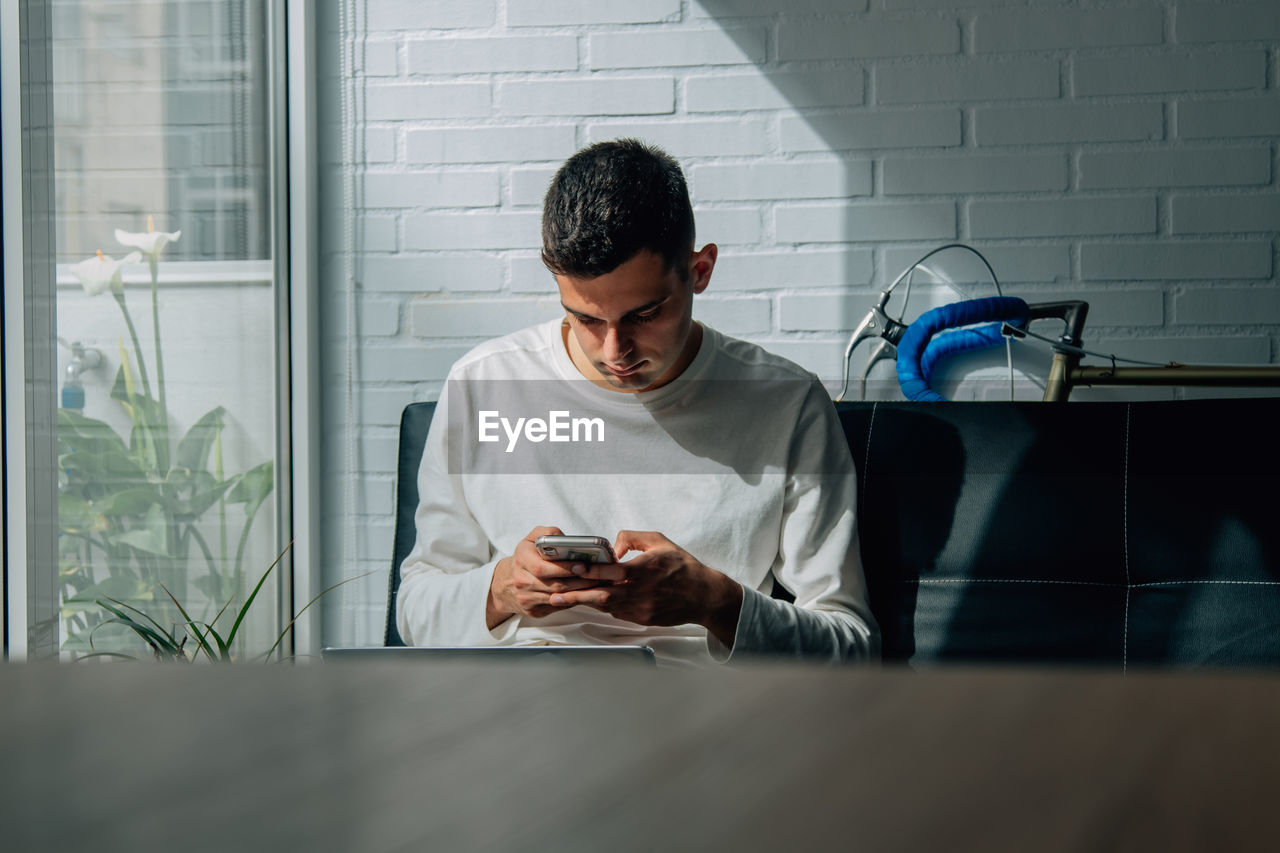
x: 523, y: 583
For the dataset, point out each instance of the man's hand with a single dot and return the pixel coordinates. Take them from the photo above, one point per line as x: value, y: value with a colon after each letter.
x: 524, y: 582
x: 664, y: 585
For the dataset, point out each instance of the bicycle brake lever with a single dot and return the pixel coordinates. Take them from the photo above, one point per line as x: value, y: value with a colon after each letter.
x: 874, y: 325
x: 884, y: 351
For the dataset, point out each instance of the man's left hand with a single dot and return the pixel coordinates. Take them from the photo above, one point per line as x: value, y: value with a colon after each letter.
x: 664, y: 585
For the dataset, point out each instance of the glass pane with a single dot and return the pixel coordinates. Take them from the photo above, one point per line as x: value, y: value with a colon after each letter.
x: 166, y: 425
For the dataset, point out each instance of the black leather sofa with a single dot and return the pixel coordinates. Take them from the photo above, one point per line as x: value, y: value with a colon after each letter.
x: 1116, y: 535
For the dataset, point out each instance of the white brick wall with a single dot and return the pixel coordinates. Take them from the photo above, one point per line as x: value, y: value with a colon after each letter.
x: 1196, y: 73
x: 1241, y: 117
x: 672, y: 48
x: 490, y: 144
x: 1013, y: 31
x: 1185, y: 167
x: 453, y: 55
x: 1069, y: 122
x: 709, y: 93
x: 862, y: 37
x: 967, y: 79
x: 888, y: 129
x: 583, y: 13
x: 1062, y: 217
x: 973, y: 173
x: 771, y: 181
x: 598, y: 96
x: 1121, y: 151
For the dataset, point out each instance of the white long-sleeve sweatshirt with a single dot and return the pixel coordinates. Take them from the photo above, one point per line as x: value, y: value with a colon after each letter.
x: 740, y: 461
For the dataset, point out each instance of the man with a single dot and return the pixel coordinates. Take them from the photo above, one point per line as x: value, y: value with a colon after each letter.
x: 722, y: 465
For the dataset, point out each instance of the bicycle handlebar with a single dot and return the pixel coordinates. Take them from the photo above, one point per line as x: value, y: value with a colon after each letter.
x: 877, y: 324
x: 925, y: 345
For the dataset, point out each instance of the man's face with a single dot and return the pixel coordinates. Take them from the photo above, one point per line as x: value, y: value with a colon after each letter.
x: 632, y: 329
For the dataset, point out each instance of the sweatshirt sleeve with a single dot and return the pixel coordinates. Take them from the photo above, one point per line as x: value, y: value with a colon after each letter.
x: 444, y: 581
x: 819, y: 560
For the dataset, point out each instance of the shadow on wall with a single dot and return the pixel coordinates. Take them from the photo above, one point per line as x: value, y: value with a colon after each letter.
x: 824, y: 117
x: 827, y: 132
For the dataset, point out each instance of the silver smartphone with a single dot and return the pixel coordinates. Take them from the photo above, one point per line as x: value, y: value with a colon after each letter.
x: 580, y: 549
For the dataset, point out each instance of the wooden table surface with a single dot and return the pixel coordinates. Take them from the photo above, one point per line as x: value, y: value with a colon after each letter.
x: 447, y: 757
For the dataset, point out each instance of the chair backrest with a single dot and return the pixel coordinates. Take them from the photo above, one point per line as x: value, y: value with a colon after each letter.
x: 1109, y: 534
x: 414, y: 422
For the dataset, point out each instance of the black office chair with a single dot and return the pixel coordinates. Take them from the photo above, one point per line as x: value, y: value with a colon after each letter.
x: 414, y: 422
x: 1107, y: 534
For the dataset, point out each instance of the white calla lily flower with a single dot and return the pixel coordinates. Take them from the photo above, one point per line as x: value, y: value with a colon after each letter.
x: 102, y: 272
x: 150, y: 243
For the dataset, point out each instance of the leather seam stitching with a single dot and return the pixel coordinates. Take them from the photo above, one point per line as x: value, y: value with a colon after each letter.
x: 1128, y: 583
x: 1106, y: 584
x: 866, y: 463
x: 1012, y: 580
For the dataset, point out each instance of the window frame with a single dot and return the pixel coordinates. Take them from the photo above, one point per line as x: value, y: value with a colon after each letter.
x: 12, y: 485
x: 291, y: 93
x: 29, y: 380
x: 298, y: 166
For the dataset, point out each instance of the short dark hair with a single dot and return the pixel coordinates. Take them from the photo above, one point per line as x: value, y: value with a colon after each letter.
x: 610, y: 201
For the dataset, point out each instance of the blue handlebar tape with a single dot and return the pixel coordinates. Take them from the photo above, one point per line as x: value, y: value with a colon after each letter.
x: 919, y: 351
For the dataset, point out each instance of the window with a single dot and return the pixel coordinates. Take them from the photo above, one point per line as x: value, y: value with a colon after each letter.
x: 154, y: 435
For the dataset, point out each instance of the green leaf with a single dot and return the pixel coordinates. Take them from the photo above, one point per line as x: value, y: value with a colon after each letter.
x: 70, y: 608
x: 74, y: 513
x: 298, y: 615
x: 178, y: 480
x: 190, y: 623
x: 148, y: 636
x: 119, y: 388
x: 143, y: 539
x: 151, y: 537
x: 224, y: 648
x: 221, y: 610
x: 253, y: 487
x: 109, y: 467
x: 244, y: 609
x: 166, y: 632
x: 149, y: 439
x: 77, y: 432
x: 160, y: 641
x: 193, y: 450
x: 115, y: 588
x: 211, y: 585
x: 134, y: 501
x: 76, y: 643
x: 70, y: 569
x: 207, y: 492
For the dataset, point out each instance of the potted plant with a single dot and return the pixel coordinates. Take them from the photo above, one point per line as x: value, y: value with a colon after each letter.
x: 170, y: 643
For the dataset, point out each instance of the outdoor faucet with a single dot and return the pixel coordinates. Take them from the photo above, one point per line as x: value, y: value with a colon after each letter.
x: 82, y: 358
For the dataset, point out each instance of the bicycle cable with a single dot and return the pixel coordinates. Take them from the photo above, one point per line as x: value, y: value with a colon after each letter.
x: 1008, y: 360
x: 910, y: 275
x: 910, y: 272
x: 1014, y: 332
